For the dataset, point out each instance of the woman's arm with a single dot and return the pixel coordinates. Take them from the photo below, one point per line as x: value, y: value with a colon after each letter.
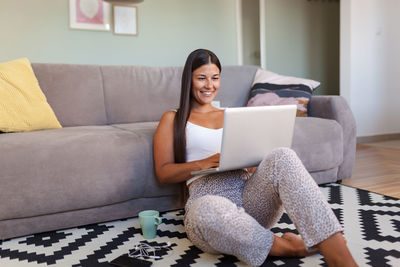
x: 166, y: 169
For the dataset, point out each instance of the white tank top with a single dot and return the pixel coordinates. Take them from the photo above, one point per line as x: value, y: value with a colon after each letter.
x: 201, y: 142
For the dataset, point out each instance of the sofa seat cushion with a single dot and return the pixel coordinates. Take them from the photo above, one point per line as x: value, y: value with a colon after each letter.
x: 318, y: 142
x: 144, y: 131
x: 74, y: 168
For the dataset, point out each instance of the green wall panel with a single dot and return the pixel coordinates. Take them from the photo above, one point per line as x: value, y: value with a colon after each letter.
x: 168, y: 31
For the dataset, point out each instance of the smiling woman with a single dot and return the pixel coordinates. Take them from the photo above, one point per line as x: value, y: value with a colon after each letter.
x: 232, y: 212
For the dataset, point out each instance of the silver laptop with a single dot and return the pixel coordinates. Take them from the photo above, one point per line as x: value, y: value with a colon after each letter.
x: 250, y: 133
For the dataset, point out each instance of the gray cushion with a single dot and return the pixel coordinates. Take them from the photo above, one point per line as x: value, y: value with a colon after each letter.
x: 144, y: 131
x: 235, y: 85
x: 74, y: 168
x: 318, y: 142
x: 138, y: 94
x: 75, y: 92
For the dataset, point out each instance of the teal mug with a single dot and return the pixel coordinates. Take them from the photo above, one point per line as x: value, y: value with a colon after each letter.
x: 149, y: 220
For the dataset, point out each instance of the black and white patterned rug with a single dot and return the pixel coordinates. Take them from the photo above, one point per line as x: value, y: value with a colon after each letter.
x: 371, y: 226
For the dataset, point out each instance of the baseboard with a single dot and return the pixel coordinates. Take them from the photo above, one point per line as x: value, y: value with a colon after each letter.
x: 377, y: 138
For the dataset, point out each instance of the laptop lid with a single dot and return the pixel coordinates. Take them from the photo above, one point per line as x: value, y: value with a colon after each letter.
x: 250, y: 133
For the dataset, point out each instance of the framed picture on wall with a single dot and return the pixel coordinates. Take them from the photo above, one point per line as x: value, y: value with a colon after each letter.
x: 125, y: 19
x: 89, y: 15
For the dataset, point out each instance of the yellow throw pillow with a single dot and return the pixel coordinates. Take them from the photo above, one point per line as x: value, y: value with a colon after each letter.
x: 23, y: 106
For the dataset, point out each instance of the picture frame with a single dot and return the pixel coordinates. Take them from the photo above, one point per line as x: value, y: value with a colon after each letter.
x: 89, y: 15
x: 125, y: 18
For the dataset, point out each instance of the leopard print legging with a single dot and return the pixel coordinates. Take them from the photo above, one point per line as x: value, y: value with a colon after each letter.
x: 232, y: 212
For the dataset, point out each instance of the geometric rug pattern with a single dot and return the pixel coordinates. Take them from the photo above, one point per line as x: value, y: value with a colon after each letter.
x: 371, y: 227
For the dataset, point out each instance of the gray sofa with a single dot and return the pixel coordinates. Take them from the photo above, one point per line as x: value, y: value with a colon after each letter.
x: 99, y: 166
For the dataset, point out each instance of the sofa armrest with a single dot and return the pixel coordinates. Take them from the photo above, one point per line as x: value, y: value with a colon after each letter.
x: 336, y: 108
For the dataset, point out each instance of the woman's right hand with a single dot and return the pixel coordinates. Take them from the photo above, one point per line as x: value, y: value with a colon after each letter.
x: 210, y: 162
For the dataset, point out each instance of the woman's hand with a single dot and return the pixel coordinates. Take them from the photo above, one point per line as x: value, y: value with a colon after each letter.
x: 298, y: 245
x: 290, y: 245
x: 251, y: 170
x: 210, y: 162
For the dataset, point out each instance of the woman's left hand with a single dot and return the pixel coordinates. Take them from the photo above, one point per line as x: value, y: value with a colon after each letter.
x: 298, y: 245
x: 251, y: 170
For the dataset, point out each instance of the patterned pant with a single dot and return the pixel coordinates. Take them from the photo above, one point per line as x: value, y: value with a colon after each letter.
x: 232, y: 212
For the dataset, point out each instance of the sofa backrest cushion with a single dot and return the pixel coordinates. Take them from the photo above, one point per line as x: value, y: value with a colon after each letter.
x: 139, y: 93
x: 98, y: 95
x: 75, y: 92
x: 235, y: 85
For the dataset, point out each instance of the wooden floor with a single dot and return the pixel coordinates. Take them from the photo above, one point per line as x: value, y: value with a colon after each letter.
x: 377, y: 168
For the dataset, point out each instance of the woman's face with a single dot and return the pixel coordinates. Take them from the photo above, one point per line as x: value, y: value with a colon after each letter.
x: 205, y: 83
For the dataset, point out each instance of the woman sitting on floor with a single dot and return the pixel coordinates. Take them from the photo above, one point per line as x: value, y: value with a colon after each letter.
x: 232, y: 212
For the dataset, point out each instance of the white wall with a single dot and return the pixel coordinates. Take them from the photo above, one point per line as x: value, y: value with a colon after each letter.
x: 370, y: 64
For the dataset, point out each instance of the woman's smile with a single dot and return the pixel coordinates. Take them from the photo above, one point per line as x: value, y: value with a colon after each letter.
x: 207, y: 93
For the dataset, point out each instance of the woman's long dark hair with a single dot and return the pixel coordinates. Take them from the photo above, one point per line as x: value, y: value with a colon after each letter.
x: 195, y: 60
